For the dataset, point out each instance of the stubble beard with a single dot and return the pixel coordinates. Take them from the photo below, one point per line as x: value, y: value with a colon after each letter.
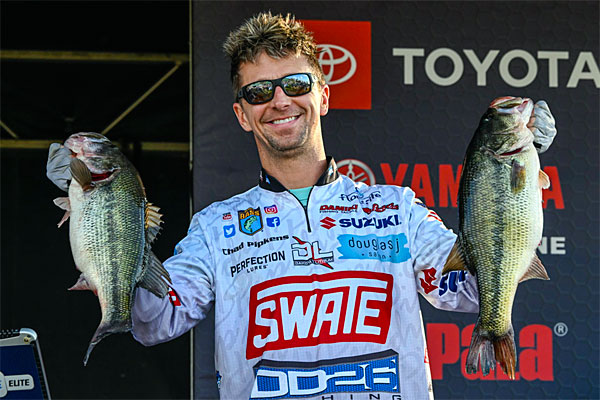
x: 285, y: 149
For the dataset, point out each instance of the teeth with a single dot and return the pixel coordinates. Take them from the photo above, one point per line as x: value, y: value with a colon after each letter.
x: 283, y: 121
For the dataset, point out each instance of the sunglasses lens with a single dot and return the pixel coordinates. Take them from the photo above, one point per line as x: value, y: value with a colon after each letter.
x: 259, y: 92
x: 296, y: 85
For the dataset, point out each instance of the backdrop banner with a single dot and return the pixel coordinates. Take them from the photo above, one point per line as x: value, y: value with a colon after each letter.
x: 409, y: 82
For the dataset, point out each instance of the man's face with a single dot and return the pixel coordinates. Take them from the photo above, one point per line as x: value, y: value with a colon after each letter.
x: 285, y: 126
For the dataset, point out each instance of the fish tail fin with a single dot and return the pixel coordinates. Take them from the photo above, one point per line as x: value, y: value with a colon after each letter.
x: 506, y: 352
x: 103, y: 330
x: 480, y: 351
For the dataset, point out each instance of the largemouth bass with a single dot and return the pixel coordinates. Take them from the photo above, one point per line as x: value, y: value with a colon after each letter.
x: 500, y: 226
x: 111, y: 228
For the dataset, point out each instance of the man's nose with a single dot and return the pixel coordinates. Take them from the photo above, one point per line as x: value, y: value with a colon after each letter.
x: 280, y: 99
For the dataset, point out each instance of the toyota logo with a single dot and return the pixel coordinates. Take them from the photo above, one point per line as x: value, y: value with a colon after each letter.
x: 331, y: 55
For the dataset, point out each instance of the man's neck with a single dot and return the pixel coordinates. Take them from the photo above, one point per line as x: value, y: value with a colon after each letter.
x: 296, y: 173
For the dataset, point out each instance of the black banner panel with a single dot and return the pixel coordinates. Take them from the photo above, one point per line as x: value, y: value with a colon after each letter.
x: 409, y: 82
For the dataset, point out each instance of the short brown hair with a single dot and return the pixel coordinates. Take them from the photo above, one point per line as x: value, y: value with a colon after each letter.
x: 277, y: 36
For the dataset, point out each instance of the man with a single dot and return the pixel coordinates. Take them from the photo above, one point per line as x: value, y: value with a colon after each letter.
x: 303, y: 310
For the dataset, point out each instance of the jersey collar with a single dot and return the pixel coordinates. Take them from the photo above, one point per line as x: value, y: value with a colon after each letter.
x: 268, y: 182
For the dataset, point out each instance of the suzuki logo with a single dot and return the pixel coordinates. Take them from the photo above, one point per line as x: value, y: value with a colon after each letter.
x: 329, y: 59
x: 328, y: 223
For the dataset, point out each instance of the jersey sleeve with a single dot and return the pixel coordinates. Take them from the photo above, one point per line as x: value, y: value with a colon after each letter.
x: 190, y: 296
x: 430, y: 244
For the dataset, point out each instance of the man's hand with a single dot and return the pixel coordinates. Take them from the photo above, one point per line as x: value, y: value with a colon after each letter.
x: 542, y: 125
x: 57, y: 167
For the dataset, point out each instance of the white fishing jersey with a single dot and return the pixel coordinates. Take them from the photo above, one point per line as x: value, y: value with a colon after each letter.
x: 318, y: 302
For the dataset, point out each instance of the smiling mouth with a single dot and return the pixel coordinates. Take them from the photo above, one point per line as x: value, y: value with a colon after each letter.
x: 284, y: 120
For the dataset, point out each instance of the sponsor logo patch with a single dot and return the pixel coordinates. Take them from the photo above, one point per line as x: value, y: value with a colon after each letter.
x: 376, y: 372
x: 364, y: 199
x: 377, y: 223
x: 452, y: 281
x: 173, y: 298
x: 271, y: 209
x: 250, y: 221
x: 273, y: 221
x: 305, y: 253
x: 327, y: 223
x: 377, y: 208
x: 227, y: 216
x: 300, y: 311
x: 252, y: 264
x: 390, y: 248
x: 229, y: 231
x: 335, y: 209
x: 427, y: 280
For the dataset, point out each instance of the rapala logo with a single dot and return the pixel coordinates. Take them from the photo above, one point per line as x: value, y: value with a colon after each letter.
x: 300, y: 311
x: 305, y: 253
x: 585, y: 68
x: 447, y: 345
x: 345, y: 56
x: 356, y: 170
x: 448, y: 179
x: 328, y: 223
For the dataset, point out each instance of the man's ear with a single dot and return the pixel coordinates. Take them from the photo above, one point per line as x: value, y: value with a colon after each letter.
x: 241, y: 117
x: 324, y: 107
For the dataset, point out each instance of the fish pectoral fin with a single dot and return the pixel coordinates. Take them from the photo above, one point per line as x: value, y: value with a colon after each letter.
x: 81, y: 173
x: 65, y: 204
x: 517, y: 176
x: 152, y: 276
x: 456, y: 260
x: 535, y: 271
x: 152, y: 222
x: 544, y: 180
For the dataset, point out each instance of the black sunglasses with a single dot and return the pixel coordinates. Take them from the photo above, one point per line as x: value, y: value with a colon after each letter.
x: 263, y: 91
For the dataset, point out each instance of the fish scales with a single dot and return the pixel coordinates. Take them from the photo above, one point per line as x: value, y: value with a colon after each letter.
x: 498, y: 229
x: 106, y: 232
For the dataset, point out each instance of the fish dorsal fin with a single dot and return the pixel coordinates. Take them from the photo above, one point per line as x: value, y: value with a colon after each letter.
x: 517, y: 176
x: 152, y: 275
x: 456, y: 260
x: 544, y: 180
x: 152, y: 222
x: 535, y: 271
x: 81, y: 174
